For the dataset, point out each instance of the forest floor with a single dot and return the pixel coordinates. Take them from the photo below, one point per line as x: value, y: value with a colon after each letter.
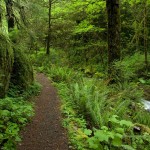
x: 146, y: 92
x: 45, y: 131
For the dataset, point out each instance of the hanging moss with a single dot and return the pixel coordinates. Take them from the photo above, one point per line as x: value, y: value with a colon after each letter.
x: 6, y: 63
x: 22, y: 74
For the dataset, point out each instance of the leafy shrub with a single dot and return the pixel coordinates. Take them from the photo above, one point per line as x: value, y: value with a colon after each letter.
x: 142, y: 116
x: 131, y: 67
x: 63, y: 74
x: 33, y: 89
x: 113, y: 133
x: 90, y: 97
x: 73, y: 122
x: 119, y: 135
x: 14, y: 114
x: 41, y: 59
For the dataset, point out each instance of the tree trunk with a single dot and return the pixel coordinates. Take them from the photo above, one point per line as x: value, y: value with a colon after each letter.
x: 10, y: 14
x: 15, y: 67
x: 49, y: 29
x: 22, y: 72
x: 145, y: 34
x: 6, y: 64
x: 6, y: 52
x: 3, y: 19
x: 113, y: 10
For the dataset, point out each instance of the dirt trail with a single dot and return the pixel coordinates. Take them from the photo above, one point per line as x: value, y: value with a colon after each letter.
x: 45, y: 131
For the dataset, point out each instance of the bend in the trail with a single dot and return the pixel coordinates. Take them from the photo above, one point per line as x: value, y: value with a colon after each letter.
x: 45, y: 132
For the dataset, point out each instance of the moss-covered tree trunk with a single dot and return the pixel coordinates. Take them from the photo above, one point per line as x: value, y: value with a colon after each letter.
x: 6, y: 63
x: 145, y: 35
x: 22, y: 73
x: 10, y: 14
x: 113, y: 11
x: 6, y: 52
x: 3, y: 19
x: 15, y: 67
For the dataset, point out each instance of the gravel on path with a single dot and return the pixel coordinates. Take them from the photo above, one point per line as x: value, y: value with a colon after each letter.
x: 45, y: 131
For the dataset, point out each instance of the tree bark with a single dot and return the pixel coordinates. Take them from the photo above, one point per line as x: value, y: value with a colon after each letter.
x: 15, y: 67
x: 6, y: 52
x: 10, y: 14
x: 49, y: 29
x: 145, y: 35
x: 113, y: 11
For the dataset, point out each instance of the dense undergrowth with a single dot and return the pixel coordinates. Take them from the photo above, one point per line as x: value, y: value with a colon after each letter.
x: 15, y: 112
x: 99, y: 115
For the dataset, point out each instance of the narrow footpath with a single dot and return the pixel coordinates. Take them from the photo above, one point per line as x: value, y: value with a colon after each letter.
x: 45, y: 132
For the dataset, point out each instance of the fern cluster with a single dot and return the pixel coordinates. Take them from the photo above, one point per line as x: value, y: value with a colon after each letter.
x: 89, y: 102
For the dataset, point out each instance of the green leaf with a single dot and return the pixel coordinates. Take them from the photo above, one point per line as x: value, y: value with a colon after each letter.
x: 101, y: 135
x: 18, y: 139
x: 113, y: 119
x: 128, y: 147
x: 120, y: 130
x: 87, y: 131
x: 104, y: 128
x: 117, y: 141
x: 22, y: 120
x: 93, y: 143
x: 1, y: 137
x: 111, y: 134
x: 142, y: 80
x: 5, y: 113
x: 119, y: 135
x: 126, y: 123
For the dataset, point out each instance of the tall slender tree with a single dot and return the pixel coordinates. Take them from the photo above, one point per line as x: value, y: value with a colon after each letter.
x: 145, y: 35
x: 49, y: 28
x: 113, y: 11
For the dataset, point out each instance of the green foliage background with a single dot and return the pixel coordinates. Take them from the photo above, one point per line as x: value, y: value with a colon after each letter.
x: 98, y: 114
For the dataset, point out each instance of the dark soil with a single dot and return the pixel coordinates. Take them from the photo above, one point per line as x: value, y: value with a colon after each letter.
x: 45, y: 132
